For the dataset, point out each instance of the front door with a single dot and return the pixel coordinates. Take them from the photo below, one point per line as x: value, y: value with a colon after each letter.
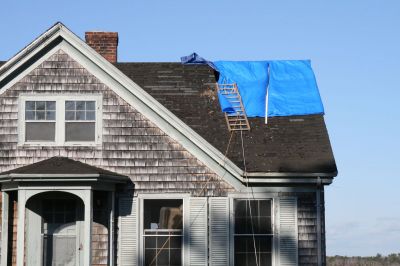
x: 60, y: 232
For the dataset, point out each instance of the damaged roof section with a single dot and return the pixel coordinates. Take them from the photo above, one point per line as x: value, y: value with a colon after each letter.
x: 288, y: 144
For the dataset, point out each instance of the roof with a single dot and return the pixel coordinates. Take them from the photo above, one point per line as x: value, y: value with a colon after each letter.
x: 61, y: 167
x: 292, y: 144
x: 181, y: 101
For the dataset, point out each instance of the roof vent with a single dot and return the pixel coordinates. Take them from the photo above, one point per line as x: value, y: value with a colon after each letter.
x: 237, y: 119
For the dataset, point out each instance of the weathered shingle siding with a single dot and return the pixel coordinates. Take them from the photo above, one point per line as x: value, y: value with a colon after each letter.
x: 132, y: 145
x: 307, y: 227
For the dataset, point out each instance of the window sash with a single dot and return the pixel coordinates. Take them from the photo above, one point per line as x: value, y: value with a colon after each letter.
x: 256, y: 215
x: 153, y: 239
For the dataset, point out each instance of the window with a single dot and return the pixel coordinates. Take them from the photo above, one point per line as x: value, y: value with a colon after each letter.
x: 40, y: 121
x: 80, y: 120
x: 60, y: 120
x: 162, y: 232
x: 253, y: 228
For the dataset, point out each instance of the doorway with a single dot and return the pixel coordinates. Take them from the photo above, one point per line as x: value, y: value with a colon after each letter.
x: 55, y: 224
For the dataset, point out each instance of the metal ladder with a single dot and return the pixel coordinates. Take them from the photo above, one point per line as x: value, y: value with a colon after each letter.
x: 237, y: 120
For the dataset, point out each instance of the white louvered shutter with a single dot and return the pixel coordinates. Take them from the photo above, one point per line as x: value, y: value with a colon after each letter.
x: 128, y: 232
x: 219, y: 231
x: 196, y: 226
x: 288, y: 241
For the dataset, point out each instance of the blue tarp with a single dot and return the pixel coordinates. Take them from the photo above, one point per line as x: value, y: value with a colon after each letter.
x: 195, y: 59
x: 292, y: 88
x: 251, y: 78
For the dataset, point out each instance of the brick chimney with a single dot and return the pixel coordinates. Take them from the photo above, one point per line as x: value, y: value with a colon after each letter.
x: 105, y: 43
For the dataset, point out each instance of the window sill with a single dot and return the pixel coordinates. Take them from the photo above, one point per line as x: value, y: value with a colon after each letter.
x: 59, y: 145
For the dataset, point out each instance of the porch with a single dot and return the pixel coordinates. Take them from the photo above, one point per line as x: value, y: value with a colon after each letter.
x: 58, y: 212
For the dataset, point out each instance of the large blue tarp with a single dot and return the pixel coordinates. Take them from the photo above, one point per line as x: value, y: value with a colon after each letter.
x: 292, y: 88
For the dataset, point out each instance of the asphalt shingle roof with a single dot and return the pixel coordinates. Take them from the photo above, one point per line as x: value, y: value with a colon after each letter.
x: 297, y: 144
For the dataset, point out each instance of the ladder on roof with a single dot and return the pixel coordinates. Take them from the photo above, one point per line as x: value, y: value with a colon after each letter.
x: 238, y: 119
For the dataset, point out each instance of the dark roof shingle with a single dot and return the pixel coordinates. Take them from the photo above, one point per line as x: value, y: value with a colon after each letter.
x: 295, y: 144
x: 60, y: 166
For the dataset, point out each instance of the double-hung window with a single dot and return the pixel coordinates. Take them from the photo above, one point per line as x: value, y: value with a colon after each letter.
x: 60, y: 120
x: 162, y: 232
x: 253, y: 232
x: 80, y: 121
x: 40, y: 121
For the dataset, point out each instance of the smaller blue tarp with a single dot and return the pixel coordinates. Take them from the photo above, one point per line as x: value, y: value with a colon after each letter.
x: 195, y: 59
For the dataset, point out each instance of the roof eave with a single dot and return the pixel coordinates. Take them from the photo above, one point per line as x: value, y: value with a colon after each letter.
x: 18, y: 177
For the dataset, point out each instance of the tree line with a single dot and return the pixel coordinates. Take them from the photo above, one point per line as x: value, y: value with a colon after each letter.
x: 378, y: 260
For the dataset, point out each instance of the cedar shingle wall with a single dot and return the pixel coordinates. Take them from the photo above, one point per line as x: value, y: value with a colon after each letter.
x: 132, y: 145
x: 100, y: 229
x: 307, y: 229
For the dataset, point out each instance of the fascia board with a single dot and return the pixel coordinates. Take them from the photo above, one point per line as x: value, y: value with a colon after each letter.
x: 289, y: 174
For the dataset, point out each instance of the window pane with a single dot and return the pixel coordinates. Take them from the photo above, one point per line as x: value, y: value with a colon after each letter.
x: 257, y: 221
x: 69, y: 115
x: 50, y: 115
x: 80, y: 131
x: 90, y: 105
x: 40, y: 105
x: 80, y: 115
x: 80, y: 105
x: 69, y: 105
x: 50, y: 105
x: 40, y: 131
x: 159, y: 250
x: 30, y: 105
x: 163, y: 214
x: 40, y: 110
x: 162, y: 257
x: 244, y: 250
x: 40, y: 115
x: 90, y: 115
x: 29, y: 115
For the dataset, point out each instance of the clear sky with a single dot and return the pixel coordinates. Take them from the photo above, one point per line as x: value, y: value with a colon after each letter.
x: 355, y: 51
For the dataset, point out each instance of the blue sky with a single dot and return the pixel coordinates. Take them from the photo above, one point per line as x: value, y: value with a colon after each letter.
x: 355, y: 51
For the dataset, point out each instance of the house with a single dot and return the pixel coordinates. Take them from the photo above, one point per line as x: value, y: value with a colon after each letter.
x: 109, y: 163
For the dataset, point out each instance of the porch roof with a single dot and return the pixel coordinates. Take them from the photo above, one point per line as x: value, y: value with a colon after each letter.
x: 61, y: 169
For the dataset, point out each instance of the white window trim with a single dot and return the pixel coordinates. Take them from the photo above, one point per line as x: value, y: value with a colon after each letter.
x: 141, y: 197
x: 60, y: 118
x: 232, y: 225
